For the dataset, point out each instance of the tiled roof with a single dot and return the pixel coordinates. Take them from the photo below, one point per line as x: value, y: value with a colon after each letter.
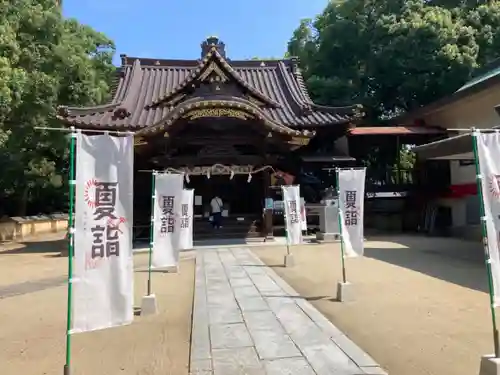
x: 150, y: 90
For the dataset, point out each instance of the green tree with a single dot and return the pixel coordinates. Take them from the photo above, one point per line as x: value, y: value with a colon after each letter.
x: 390, y: 55
x: 45, y: 61
x: 485, y: 21
x: 394, y: 56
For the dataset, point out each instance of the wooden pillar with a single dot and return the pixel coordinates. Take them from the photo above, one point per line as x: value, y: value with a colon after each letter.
x: 267, y: 216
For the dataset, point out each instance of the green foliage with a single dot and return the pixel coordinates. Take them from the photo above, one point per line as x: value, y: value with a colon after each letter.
x: 45, y: 61
x: 407, y: 158
x: 394, y: 55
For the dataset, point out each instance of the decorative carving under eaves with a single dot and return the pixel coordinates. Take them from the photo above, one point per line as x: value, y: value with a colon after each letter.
x: 218, y: 73
x: 139, y: 141
x: 217, y: 169
x: 216, y: 112
x: 218, y: 150
x: 63, y: 111
x: 121, y: 113
x: 299, y: 141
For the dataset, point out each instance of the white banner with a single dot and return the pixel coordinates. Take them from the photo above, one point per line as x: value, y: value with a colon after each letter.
x: 303, y: 215
x: 293, y: 222
x: 103, y: 278
x: 488, y: 148
x: 351, y: 209
x: 166, y: 214
x: 186, y: 220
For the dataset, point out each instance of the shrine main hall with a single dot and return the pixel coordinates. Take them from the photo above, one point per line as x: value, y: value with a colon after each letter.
x: 238, y: 129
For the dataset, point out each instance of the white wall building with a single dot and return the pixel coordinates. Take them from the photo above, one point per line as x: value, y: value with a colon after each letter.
x: 474, y: 105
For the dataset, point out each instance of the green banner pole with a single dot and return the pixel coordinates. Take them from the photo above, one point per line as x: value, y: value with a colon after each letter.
x: 71, y: 233
x: 151, y: 228
x: 339, y: 219
x: 287, y: 241
x: 484, y: 231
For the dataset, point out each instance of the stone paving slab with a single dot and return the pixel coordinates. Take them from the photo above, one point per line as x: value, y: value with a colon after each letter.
x: 249, y: 321
x: 226, y: 336
x: 289, y: 366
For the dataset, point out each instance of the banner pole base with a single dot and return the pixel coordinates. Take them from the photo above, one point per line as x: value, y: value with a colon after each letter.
x: 344, y: 292
x: 490, y: 365
x: 289, y: 261
x: 66, y: 370
x: 149, y: 305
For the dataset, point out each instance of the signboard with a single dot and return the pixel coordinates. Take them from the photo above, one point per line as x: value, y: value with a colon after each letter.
x: 351, y: 209
x: 186, y: 220
x: 488, y: 152
x: 293, y: 222
x: 166, y: 219
x: 103, y: 273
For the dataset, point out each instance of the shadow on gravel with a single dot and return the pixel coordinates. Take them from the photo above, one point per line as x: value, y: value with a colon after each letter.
x: 33, y: 247
x: 452, y: 260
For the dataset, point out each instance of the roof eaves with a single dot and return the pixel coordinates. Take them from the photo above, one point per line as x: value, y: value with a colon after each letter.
x: 66, y: 112
x: 395, y: 130
x: 300, y: 80
x: 486, y: 72
x: 121, y: 108
x: 124, y: 108
x: 354, y: 111
x: 238, y: 103
x: 450, y: 99
x: 480, y: 79
x: 303, y: 107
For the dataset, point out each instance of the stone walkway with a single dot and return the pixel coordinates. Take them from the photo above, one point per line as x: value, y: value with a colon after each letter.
x: 248, y: 321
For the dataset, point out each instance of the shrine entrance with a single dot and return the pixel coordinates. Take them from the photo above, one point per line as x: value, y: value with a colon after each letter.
x: 240, y: 196
x: 189, y: 114
x: 231, y: 157
x: 242, y: 191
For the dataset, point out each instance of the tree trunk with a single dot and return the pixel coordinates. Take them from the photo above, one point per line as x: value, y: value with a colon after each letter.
x: 23, y: 202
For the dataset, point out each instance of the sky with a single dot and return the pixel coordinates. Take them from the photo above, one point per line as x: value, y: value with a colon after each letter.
x: 175, y: 28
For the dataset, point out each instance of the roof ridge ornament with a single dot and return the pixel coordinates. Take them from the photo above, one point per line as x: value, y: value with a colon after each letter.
x: 303, y: 106
x: 124, y: 59
x: 124, y: 109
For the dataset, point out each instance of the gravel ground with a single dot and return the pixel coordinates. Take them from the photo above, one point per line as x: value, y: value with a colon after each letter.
x: 420, y: 307
x: 33, y: 259
x: 32, y: 323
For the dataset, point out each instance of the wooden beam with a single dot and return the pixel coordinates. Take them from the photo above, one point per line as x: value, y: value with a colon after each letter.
x: 223, y: 140
x: 211, y: 160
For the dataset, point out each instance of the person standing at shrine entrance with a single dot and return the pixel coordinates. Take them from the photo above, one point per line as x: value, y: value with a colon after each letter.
x: 216, y: 206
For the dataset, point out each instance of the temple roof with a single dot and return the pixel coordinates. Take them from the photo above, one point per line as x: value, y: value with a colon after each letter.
x: 149, y: 90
